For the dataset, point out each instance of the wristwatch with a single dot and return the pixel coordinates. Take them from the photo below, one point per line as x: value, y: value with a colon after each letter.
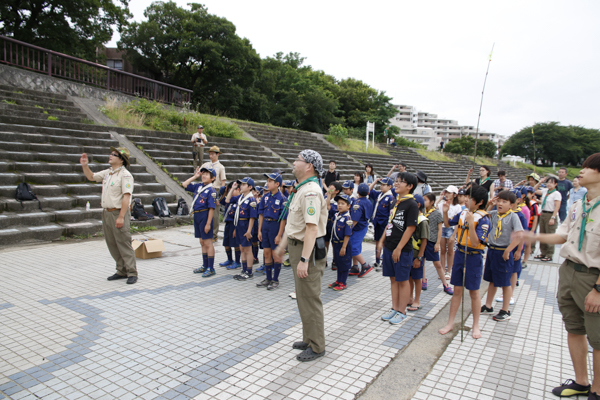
x: 420, y: 258
x: 302, y: 259
x: 597, y: 287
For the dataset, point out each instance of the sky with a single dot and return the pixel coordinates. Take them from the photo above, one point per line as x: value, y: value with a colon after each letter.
x: 433, y: 54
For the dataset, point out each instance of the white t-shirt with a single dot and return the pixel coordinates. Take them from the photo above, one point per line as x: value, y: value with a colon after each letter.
x: 199, y: 137
x: 551, y: 199
x: 454, y: 209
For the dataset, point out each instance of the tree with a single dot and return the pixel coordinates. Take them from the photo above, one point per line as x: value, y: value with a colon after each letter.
x: 466, y: 146
x: 76, y: 28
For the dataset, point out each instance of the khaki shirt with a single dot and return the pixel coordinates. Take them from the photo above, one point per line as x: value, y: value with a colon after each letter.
x: 114, y: 186
x: 198, y: 136
x: 219, y: 172
x: 308, y: 207
x: 569, y: 231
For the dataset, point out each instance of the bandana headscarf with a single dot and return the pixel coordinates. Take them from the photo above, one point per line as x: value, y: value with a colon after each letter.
x: 314, y: 158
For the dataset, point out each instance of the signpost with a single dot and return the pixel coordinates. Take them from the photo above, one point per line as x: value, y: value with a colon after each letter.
x: 370, y: 128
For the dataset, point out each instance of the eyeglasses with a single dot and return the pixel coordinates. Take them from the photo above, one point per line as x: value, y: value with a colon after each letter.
x: 115, y: 155
x: 301, y: 160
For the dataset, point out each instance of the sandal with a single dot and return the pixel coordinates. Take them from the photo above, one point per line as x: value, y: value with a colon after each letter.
x: 539, y: 257
x: 411, y: 308
x: 309, y: 355
x: 546, y: 259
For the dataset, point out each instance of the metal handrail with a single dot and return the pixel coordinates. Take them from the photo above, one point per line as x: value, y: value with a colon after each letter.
x: 52, y: 63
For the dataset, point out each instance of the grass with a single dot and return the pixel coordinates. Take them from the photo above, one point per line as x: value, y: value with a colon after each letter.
x: 435, y: 155
x: 9, y: 102
x: 355, y: 145
x: 484, y: 160
x: 572, y: 172
x: 52, y: 118
x: 38, y: 106
x: 138, y: 229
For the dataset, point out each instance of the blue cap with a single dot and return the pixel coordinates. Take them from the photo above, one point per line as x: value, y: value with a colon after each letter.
x: 288, y: 183
x: 419, y: 199
x: 363, y: 189
x: 259, y: 189
x: 348, y: 185
x: 209, y: 170
x: 527, y: 189
x: 516, y: 192
x: 248, y: 180
x: 344, y: 197
x: 387, y: 181
x: 276, y: 177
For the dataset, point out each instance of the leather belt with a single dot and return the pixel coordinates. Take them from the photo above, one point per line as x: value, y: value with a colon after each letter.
x: 271, y: 219
x: 582, y: 268
x: 197, y: 211
x: 497, y: 248
x: 112, y: 209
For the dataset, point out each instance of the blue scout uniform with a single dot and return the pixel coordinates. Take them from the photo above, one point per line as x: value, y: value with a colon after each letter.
x: 270, y: 207
x: 246, y: 209
x: 342, y: 228
x: 331, y: 219
x: 204, y: 200
x: 474, y: 264
x: 361, y: 211
x: 518, y: 265
x: 498, y: 270
x: 228, y: 239
x: 384, y: 202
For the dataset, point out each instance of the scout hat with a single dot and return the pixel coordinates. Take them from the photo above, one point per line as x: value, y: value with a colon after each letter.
x: 527, y: 189
x: 419, y: 199
x: 288, y: 183
x: 387, y: 181
x: 200, y: 127
x: 363, y: 189
x: 348, y: 185
x: 344, y: 197
x: 276, y: 177
x: 247, y: 180
x: 124, y: 152
x: 215, y: 149
x: 209, y: 170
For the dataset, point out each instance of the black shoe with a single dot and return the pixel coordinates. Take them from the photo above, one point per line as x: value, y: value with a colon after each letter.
x: 485, y: 310
x: 131, y: 280
x: 309, y: 355
x: 273, y: 285
x: 502, y: 316
x: 593, y: 396
x: 355, y: 270
x: 300, y: 346
x: 115, y: 277
x: 571, y: 388
x: 264, y: 283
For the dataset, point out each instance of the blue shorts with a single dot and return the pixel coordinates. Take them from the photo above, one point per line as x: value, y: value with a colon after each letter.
x: 400, y: 270
x: 417, y: 273
x: 518, y: 266
x: 240, y: 230
x: 447, y: 232
x: 430, y: 254
x: 356, y: 241
x: 199, y: 224
x: 328, y: 231
x: 473, y: 271
x: 342, y: 263
x: 379, y: 230
x: 228, y: 239
x: 497, y: 270
x: 270, y: 229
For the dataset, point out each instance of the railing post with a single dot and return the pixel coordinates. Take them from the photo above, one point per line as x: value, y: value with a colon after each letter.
x: 49, y: 64
x: 108, y: 79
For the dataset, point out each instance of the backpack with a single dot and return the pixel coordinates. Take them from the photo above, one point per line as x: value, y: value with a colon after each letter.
x: 138, y: 212
x: 182, y: 207
x: 160, y: 207
x: 24, y: 193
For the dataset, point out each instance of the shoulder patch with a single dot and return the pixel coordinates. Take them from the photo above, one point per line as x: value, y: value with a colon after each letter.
x: 356, y: 206
x: 349, y: 222
x: 253, y: 204
x: 213, y: 194
x: 310, y: 194
x: 310, y: 211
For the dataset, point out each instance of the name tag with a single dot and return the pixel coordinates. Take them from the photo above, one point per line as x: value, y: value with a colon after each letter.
x: 277, y: 202
x: 342, y: 219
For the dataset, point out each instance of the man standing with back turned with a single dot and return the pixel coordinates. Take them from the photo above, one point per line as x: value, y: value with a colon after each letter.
x: 307, y: 219
x: 117, y: 187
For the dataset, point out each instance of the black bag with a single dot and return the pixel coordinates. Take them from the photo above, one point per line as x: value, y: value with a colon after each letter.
x: 182, y: 207
x: 24, y: 193
x: 320, y: 249
x: 160, y: 207
x: 138, y: 212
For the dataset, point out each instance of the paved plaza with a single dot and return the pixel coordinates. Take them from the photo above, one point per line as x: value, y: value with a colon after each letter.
x: 66, y: 332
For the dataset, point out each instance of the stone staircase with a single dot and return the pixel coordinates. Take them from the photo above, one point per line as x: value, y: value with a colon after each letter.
x: 45, y: 153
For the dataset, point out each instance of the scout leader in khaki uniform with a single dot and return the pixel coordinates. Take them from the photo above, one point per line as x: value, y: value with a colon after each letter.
x: 117, y: 187
x: 578, y: 293
x: 306, y: 221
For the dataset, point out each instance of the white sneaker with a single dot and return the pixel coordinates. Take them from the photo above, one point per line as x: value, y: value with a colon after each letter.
x: 501, y: 299
x: 292, y: 295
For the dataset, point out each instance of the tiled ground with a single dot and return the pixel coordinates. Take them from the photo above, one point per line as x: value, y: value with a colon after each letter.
x: 523, y: 358
x: 66, y: 332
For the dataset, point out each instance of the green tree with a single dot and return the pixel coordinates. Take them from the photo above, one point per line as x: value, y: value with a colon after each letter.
x: 466, y: 146
x: 76, y: 28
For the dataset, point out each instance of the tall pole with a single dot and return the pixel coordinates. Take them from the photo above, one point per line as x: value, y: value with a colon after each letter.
x: 534, y: 157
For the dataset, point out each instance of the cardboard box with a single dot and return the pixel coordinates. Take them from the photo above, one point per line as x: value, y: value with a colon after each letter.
x: 150, y: 248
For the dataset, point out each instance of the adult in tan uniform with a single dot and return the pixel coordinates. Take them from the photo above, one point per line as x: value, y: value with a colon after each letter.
x: 117, y: 187
x: 578, y: 292
x: 306, y: 221
x: 198, y: 142
x: 220, y: 181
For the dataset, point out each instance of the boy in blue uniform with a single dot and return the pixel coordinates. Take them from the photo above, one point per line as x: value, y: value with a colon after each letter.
x: 499, y: 263
x: 229, y: 241
x: 471, y: 235
x: 334, y: 189
x: 348, y: 189
x: 257, y: 193
x: 384, y: 201
x: 341, y: 234
x: 362, y: 210
x: 271, y: 228
x: 203, y: 208
x: 244, y: 219
x: 419, y: 242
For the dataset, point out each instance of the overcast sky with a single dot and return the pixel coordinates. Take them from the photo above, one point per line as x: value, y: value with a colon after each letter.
x: 433, y: 54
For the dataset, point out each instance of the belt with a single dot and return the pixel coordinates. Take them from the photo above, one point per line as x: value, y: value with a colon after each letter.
x: 547, y: 212
x: 242, y: 219
x: 497, y: 248
x: 197, y: 211
x: 295, y: 242
x: 112, y: 209
x: 271, y: 219
x: 469, y: 252
x: 582, y: 268
x: 338, y: 241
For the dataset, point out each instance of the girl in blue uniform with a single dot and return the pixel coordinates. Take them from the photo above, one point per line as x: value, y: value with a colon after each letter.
x: 334, y: 189
x: 383, y: 202
x: 340, y: 237
x: 229, y: 241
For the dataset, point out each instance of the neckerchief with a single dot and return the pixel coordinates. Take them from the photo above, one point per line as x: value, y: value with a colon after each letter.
x: 239, y: 203
x: 115, y: 171
x: 400, y: 200
x: 546, y: 198
x: 482, y: 181
x: 585, y: 216
x: 337, y: 217
x: 200, y: 190
x: 379, y: 198
x: 294, y: 190
x: 429, y: 212
x: 499, y: 227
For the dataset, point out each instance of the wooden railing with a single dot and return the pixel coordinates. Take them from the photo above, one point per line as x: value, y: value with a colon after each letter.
x: 52, y: 63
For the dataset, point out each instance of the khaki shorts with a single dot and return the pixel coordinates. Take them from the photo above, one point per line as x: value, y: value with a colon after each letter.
x: 573, y: 287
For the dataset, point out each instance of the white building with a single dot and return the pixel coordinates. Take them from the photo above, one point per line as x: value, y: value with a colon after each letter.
x: 425, y: 136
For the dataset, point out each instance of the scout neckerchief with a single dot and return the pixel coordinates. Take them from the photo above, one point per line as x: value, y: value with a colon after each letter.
x: 337, y: 217
x: 482, y: 181
x: 200, y: 190
x: 585, y: 216
x: 241, y: 199
x: 499, y: 227
x: 546, y: 198
x: 294, y: 190
x: 429, y: 212
x: 114, y: 171
x: 379, y: 198
x: 400, y: 200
